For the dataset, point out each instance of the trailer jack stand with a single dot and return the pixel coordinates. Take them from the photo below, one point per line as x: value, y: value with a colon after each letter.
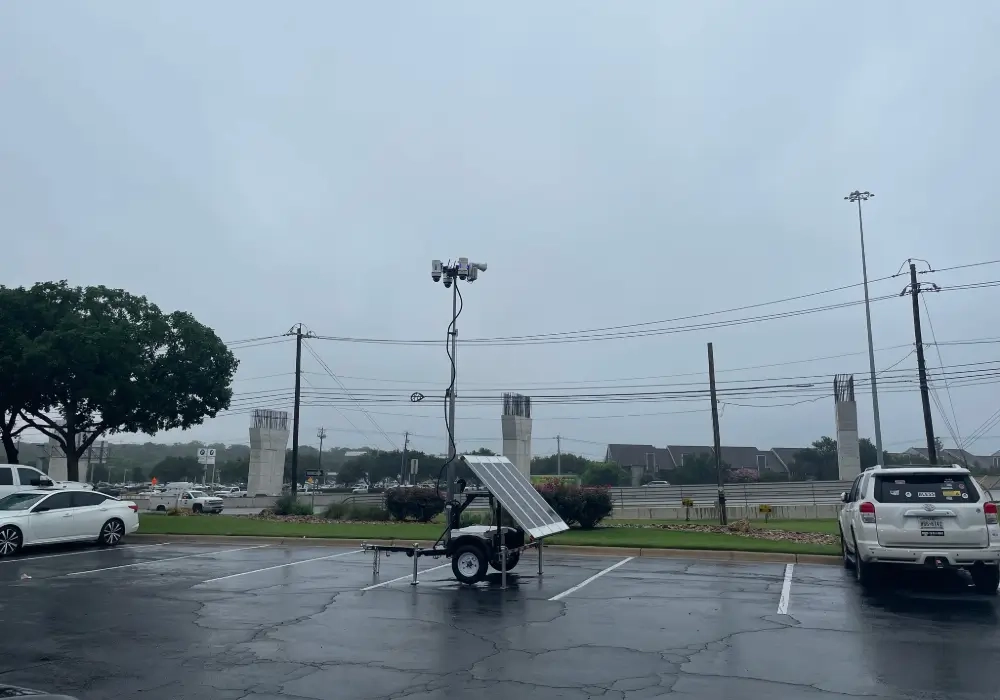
x: 416, y: 558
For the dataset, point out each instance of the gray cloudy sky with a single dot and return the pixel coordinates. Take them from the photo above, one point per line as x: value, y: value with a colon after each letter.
x: 264, y: 163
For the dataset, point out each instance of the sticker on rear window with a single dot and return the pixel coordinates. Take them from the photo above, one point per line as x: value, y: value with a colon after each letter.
x: 926, y: 494
x: 965, y: 495
x: 894, y: 492
x: 908, y: 494
x: 950, y: 493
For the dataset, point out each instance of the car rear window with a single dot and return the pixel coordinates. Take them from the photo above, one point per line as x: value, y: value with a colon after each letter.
x: 925, y: 488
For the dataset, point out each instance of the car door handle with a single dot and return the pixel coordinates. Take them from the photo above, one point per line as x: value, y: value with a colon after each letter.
x: 67, y: 515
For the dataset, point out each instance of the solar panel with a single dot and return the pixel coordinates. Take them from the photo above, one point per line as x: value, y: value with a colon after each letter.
x: 516, y: 494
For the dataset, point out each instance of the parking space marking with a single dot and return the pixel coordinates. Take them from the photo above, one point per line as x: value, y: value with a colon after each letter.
x: 410, y: 575
x: 160, y: 561
x: 278, y: 566
x: 560, y: 596
x: 786, y: 590
x: 85, y: 551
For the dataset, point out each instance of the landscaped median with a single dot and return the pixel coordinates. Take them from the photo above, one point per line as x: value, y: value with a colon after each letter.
x: 740, y: 537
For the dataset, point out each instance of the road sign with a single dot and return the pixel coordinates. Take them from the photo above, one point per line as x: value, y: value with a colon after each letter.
x: 414, y: 463
x: 206, y: 455
x: 314, y: 473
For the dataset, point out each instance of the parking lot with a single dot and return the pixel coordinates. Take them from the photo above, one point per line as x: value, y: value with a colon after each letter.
x: 249, y: 621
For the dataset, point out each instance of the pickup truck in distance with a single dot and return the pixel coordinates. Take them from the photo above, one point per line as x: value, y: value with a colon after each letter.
x: 194, y: 501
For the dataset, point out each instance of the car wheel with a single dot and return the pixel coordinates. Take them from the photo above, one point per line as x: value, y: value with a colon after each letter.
x: 10, y: 541
x: 112, y: 533
x: 864, y: 572
x: 986, y: 578
x: 843, y: 549
x: 468, y: 563
x: 196, y: 508
x: 161, y: 509
x: 512, y: 559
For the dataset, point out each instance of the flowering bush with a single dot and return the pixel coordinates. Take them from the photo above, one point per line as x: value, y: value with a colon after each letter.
x: 743, y: 475
x: 585, y: 506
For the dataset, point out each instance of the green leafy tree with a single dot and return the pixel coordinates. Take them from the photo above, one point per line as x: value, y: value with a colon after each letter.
x: 816, y: 463
x: 567, y: 464
x: 107, y: 361
x: 178, y: 469
x: 698, y: 469
x: 602, y: 474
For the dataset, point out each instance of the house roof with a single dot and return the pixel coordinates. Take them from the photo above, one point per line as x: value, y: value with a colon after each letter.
x: 958, y: 456
x: 635, y: 455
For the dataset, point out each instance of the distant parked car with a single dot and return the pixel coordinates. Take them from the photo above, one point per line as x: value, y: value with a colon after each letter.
x: 360, y: 488
x: 658, y: 483
x: 48, y: 516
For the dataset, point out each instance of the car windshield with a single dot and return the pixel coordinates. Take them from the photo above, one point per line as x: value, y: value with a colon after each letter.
x: 20, y: 501
x: 197, y: 494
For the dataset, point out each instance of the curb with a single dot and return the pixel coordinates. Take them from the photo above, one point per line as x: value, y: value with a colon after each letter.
x: 572, y: 550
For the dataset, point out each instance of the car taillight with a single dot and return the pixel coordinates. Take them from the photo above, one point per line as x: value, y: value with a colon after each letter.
x: 867, y: 510
x: 991, y: 513
x: 133, y: 507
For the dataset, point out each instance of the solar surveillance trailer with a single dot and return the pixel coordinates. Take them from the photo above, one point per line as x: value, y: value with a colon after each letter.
x: 475, y: 548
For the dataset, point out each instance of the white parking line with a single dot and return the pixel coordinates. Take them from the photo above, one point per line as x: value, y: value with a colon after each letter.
x: 786, y: 590
x: 160, y: 561
x: 278, y: 566
x: 386, y: 583
x: 85, y: 551
x: 596, y: 576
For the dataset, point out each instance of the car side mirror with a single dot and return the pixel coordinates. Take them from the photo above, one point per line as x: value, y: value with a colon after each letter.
x: 843, y: 496
x: 41, y: 509
x: 41, y: 481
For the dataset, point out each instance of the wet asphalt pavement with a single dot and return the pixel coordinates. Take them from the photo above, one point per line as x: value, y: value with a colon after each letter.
x: 233, y: 622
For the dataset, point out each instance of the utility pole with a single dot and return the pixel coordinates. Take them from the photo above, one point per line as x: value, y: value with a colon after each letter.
x: 402, y: 459
x: 921, y: 366
x: 716, y: 439
x: 295, y: 410
x: 859, y: 197
x: 321, y: 434
x: 558, y: 455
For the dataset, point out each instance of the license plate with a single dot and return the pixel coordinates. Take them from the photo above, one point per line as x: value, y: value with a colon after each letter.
x: 927, y: 524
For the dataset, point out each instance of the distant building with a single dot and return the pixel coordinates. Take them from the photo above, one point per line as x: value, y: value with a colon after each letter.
x: 656, y: 459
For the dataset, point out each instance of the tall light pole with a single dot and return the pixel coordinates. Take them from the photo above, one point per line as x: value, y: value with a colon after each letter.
x: 450, y: 275
x: 859, y: 197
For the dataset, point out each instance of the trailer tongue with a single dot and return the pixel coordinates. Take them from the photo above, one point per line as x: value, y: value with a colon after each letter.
x: 473, y: 549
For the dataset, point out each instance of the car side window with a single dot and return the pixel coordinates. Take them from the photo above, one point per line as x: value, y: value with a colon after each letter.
x: 6, y: 476
x: 863, y: 488
x: 186, y: 495
x: 853, y: 496
x: 57, y: 501
x: 89, y: 498
x: 26, y: 475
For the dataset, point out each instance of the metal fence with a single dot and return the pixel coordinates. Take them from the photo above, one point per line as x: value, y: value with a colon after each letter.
x: 770, y: 493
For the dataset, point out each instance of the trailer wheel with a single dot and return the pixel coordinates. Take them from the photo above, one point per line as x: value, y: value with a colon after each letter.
x: 469, y: 563
x: 512, y: 559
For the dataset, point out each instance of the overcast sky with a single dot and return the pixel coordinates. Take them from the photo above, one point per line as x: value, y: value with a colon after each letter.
x: 261, y: 164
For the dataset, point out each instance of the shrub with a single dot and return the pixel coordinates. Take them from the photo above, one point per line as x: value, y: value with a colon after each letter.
x: 583, y: 506
x: 372, y: 513
x: 289, y: 505
x: 605, y: 474
x: 421, y: 504
x: 335, y: 511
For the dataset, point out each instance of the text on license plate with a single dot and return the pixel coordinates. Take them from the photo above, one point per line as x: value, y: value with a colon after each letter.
x: 928, y: 524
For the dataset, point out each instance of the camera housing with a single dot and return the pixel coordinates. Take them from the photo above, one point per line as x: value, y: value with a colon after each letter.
x: 437, y: 269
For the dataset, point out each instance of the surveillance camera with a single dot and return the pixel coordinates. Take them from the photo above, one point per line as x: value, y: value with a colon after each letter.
x: 463, y: 268
x: 473, y: 273
x: 480, y: 266
x: 437, y: 270
x: 447, y: 282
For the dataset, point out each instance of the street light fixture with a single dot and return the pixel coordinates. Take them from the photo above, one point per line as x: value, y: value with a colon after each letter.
x: 450, y: 275
x: 859, y: 197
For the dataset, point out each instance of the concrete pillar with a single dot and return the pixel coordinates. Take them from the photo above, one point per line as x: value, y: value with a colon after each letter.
x: 846, y: 417
x: 516, y: 425
x: 636, y: 475
x: 268, y: 441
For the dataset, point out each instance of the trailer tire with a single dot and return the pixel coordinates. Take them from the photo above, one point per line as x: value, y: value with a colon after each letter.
x: 512, y: 559
x: 469, y: 563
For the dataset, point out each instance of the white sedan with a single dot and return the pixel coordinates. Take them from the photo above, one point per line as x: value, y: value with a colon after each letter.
x: 47, y: 516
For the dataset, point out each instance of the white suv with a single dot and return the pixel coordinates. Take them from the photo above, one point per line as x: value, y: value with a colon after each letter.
x: 925, y: 516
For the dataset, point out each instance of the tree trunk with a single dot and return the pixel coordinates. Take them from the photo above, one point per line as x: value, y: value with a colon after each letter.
x: 10, y: 447
x: 72, y: 466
